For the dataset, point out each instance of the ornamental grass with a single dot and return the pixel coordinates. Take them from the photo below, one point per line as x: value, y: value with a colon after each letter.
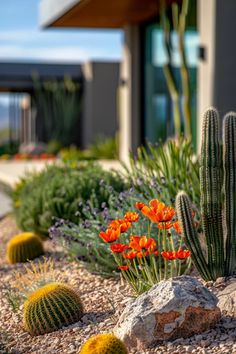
x: 142, y: 259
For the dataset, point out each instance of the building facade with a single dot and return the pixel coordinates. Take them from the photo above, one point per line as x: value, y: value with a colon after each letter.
x: 145, y: 110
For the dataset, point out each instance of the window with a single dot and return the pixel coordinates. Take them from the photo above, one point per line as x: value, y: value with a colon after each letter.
x: 158, y: 114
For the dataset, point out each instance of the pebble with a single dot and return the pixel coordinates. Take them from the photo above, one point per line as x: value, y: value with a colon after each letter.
x: 99, y: 316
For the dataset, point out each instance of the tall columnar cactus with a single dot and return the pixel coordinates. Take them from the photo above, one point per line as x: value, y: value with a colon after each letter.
x: 51, y: 307
x: 229, y: 161
x: 103, y: 344
x: 218, y: 200
x: 23, y: 247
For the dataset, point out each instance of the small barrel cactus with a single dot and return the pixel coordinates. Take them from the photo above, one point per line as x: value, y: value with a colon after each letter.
x: 104, y: 344
x: 24, y: 247
x: 51, y: 307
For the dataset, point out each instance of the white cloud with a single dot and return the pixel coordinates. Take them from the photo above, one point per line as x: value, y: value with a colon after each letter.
x: 55, y: 54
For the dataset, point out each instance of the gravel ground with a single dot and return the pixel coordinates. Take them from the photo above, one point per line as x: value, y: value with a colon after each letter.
x: 104, y: 301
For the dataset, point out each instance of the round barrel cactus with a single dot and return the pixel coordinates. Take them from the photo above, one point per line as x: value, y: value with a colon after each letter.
x: 24, y: 247
x: 104, y: 344
x: 51, y: 307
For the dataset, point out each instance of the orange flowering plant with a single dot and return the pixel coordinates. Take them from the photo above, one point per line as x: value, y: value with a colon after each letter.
x: 144, y: 260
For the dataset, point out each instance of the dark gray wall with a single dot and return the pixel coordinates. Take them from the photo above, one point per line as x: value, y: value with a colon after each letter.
x: 100, y: 100
x: 224, y: 87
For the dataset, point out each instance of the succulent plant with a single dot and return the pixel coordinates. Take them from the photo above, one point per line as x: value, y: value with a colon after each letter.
x: 218, y: 200
x: 103, y: 344
x: 23, y: 247
x: 51, y: 307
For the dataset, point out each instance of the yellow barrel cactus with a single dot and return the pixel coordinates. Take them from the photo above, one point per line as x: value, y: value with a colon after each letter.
x: 23, y: 247
x: 51, y: 307
x: 104, y: 344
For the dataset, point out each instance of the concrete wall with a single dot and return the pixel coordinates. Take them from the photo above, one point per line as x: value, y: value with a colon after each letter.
x: 217, y: 71
x: 129, y: 93
x: 101, y: 82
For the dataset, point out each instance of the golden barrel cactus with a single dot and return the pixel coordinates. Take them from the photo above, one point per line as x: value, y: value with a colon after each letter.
x: 51, y: 307
x: 23, y: 247
x: 104, y: 344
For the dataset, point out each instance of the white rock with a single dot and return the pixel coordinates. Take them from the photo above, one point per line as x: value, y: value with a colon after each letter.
x: 175, y: 308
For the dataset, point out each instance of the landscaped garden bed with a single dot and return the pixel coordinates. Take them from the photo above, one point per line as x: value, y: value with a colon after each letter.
x: 129, y: 254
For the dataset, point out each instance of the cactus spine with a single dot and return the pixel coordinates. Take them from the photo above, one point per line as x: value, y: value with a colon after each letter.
x: 24, y: 247
x: 104, y: 344
x: 218, y: 200
x: 229, y: 161
x: 51, y: 307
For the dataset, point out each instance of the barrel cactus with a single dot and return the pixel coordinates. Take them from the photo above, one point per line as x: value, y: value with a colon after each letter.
x: 104, y: 344
x: 218, y: 200
x: 23, y: 247
x: 51, y: 307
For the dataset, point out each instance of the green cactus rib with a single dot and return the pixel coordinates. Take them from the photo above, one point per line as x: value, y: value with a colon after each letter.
x: 50, y: 308
x: 229, y: 162
x: 184, y: 214
x: 24, y: 247
x: 211, y: 192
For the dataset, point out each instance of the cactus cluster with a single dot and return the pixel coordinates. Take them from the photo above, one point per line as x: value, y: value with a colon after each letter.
x: 104, y: 344
x: 51, y: 307
x: 218, y: 200
x: 23, y: 247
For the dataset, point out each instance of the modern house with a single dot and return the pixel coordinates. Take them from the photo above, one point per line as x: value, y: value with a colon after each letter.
x: 31, y: 86
x: 145, y: 106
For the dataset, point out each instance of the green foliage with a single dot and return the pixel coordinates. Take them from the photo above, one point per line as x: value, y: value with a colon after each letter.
x: 59, y: 106
x: 50, y: 308
x: 61, y: 192
x: 53, y: 147
x: 102, y: 149
x: 161, y: 171
x: 24, y: 247
x: 218, y: 200
x: 104, y: 344
x: 158, y: 172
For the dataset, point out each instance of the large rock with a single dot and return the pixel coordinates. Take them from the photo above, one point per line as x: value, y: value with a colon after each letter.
x: 175, y: 308
x: 227, y: 300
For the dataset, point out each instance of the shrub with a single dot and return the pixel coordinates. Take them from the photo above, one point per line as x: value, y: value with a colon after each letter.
x: 157, y: 172
x: 218, y: 204
x: 51, y: 307
x: 24, y: 247
x: 163, y: 170
x: 81, y: 241
x: 62, y: 192
x: 104, y: 344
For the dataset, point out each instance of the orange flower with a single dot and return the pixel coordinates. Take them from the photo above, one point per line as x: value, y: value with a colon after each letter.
x: 177, y: 227
x: 132, y: 216
x: 129, y: 255
x: 158, y: 212
x: 164, y: 225
x: 142, y: 254
x: 142, y: 242
x: 123, y: 267
x: 118, y: 248
x: 183, y: 254
x: 121, y: 224
x: 110, y: 235
x: 180, y: 254
x: 168, y: 255
x: 139, y: 205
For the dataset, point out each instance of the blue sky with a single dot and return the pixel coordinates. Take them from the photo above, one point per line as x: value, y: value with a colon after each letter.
x: 21, y: 39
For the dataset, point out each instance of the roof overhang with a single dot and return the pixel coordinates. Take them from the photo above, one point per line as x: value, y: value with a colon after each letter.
x: 18, y: 77
x: 96, y: 13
